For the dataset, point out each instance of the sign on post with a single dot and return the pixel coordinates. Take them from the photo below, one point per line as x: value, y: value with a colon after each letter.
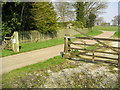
x: 15, y: 42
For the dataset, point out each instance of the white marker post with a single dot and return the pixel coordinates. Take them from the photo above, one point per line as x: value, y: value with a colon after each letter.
x: 15, y: 42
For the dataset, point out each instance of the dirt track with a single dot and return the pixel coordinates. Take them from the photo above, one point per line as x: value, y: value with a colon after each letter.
x: 20, y: 60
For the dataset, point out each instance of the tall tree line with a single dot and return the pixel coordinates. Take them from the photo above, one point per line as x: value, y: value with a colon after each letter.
x: 42, y: 16
x: 22, y: 16
x: 86, y: 12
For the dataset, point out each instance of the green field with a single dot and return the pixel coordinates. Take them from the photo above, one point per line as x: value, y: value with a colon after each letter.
x: 106, y: 28
x: 109, y: 28
x: 94, y: 32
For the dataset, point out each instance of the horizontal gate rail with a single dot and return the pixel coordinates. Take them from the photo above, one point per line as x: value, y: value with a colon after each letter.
x: 86, y: 52
x: 105, y: 39
x: 96, y: 56
x: 92, y: 45
x: 94, y: 51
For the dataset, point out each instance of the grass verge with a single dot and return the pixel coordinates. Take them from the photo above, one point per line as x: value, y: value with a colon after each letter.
x: 106, y: 28
x: 109, y: 28
x: 94, y: 32
x: 56, y: 70
x: 117, y: 34
x: 9, y: 79
x: 26, y: 47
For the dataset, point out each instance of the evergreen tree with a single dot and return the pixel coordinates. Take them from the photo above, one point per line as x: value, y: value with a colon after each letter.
x: 80, y: 13
x: 90, y: 21
x: 10, y: 17
x: 15, y: 17
x: 44, y: 16
x: 86, y: 12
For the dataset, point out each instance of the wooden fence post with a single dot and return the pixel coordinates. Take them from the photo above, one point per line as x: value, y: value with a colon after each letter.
x: 15, y: 42
x: 65, y: 44
x: 67, y: 54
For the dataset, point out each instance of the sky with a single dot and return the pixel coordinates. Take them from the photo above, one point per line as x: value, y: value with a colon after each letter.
x: 111, y: 11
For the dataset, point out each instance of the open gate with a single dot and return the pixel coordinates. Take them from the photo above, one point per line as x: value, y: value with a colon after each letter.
x: 90, y: 48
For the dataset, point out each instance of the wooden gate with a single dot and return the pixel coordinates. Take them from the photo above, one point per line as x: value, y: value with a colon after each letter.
x: 88, y: 49
x: 11, y: 42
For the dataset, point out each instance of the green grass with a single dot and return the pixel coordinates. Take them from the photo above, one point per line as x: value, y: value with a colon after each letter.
x: 94, y: 32
x: 117, y: 34
x: 96, y: 45
x: 21, y: 73
x: 106, y: 28
x: 109, y: 28
x: 26, y: 47
x: 91, y: 47
x: 41, y: 65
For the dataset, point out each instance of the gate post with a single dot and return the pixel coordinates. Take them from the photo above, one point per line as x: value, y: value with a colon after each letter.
x: 65, y: 44
x: 15, y: 42
x: 66, y: 47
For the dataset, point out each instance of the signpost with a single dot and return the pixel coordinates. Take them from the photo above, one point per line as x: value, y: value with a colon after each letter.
x: 15, y: 42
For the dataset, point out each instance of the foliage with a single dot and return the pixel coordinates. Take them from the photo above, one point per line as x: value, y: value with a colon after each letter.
x: 86, y: 11
x: 116, y: 20
x: 34, y: 46
x: 5, y: 29
x: 91, y: 20
x: 11, y: 15
x: 16, y: 17
x: 23, y: 77
x: 99, y: 20
x: 44, y: 16
x: 65, y: 11
x: 62, y: 24
x: 78, y: 24
x: 94, y: 7
x: 44, y: 44
x: 80, y: 15
x: 59, y: 72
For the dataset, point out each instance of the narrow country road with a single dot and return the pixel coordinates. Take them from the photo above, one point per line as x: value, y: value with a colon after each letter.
x: 20, y: 60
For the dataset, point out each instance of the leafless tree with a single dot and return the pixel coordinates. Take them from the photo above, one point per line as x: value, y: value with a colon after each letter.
x: 65, y: 11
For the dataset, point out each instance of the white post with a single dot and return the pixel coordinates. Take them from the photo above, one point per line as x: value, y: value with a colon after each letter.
x: 15, y: 42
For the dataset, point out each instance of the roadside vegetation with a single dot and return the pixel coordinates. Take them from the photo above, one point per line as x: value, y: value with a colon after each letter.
x: 94, y: 32
x: 106, y: 28
x: 25, y: 47
x: 18, y: 75
x: 59, y: 72
x: 109, y: 28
